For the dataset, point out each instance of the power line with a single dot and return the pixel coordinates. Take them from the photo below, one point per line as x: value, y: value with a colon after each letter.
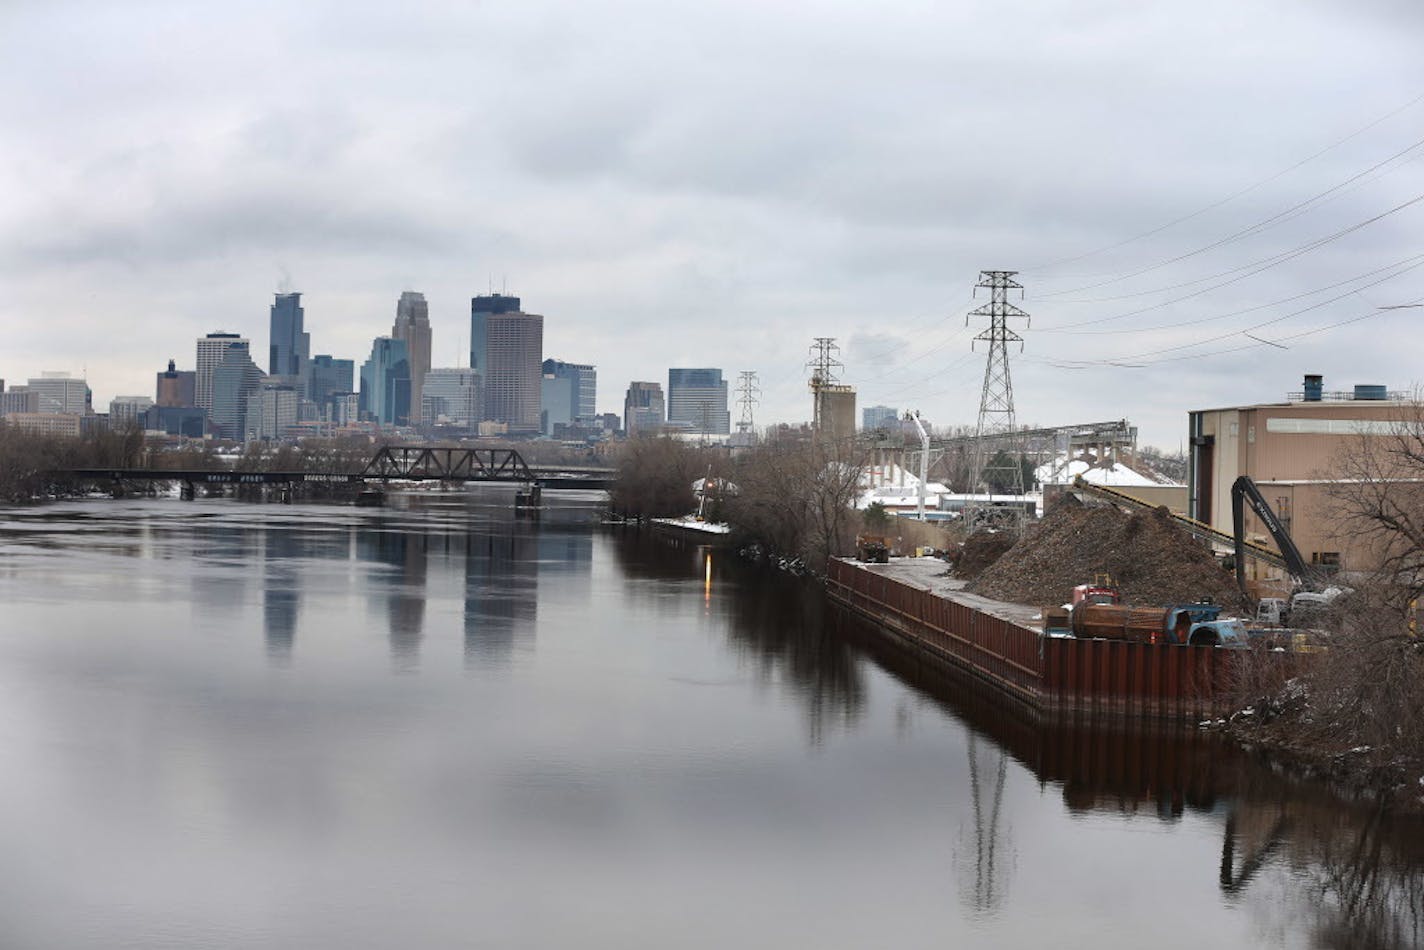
x: 1231, y: 197
x: 1257, y: 228
x: 1408, y: 264
x: 1261, y: 265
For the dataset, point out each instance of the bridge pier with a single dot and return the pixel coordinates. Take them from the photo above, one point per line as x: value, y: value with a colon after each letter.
x: 529, y: 499
x: 187, y: 491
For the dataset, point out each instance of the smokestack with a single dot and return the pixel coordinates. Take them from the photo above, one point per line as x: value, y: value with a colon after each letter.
x: 1314, y: 384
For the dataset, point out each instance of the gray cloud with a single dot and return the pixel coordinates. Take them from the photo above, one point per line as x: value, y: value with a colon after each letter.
x: 671, y: 183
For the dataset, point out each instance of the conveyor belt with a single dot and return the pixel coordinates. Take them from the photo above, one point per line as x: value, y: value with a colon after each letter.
x: 1192, y: 526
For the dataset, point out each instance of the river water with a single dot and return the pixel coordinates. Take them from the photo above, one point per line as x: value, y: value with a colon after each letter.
x: 239, y: 725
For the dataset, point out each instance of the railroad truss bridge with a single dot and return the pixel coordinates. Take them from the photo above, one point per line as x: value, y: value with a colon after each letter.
x: 450, y: 464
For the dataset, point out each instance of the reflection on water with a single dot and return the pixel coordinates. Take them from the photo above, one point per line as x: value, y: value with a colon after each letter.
x: 230, y: 725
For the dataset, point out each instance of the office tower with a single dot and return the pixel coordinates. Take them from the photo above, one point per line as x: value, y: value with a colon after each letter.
x: 515, y: 353
x: 128, y: 410
x: 385, y: 383
x: 19, y: 399
x: 643, y: 409
x: 481, y: 309
x: 234, y: 380
x: 697, y: 401
x: 271, y: 410
x: 60, y: 392
x: 176, y: 388
x: 413, y: 326
x: 326, y: 377
x: 452, y: 397
x: 211, y: 351
x: 583, y: 380
x: 290, y: 348
x: 878, y: 417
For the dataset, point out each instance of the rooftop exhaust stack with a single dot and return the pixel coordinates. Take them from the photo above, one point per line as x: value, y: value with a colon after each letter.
x: 1314, y: 385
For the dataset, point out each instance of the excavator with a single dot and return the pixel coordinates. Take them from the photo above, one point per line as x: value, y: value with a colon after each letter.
x: 1310, y: 582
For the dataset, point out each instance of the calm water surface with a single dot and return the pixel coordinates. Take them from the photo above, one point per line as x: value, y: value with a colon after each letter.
x: 233, y: 725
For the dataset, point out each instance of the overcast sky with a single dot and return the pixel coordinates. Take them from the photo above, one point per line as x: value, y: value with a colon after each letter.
x: 717, y: 184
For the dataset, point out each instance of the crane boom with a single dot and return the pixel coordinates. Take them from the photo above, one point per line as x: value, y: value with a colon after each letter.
x: 1243, y: 492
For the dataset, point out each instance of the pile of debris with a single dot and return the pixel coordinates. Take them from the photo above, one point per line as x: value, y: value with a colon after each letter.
x: 1150, y: 559
x: 979, y: 551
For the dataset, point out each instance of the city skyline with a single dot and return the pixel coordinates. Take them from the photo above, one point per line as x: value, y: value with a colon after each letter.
x: 786, y: 200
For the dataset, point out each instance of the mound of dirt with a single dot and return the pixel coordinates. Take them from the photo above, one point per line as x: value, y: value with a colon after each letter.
x: 980, y: 551
x: 1151, y: 560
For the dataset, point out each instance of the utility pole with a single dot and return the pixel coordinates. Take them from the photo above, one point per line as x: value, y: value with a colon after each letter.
x: 747, y: 393
x: 996, y: 402
x: 823, y: 366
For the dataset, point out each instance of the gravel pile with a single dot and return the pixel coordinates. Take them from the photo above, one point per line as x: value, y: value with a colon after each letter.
x: 1151, y: 560
x: 979, y: 551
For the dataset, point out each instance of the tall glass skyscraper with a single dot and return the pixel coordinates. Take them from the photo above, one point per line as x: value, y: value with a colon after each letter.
x: 385, y: 383
x: 697, y: 399
x: 413, y: 326
x: 290, y: 349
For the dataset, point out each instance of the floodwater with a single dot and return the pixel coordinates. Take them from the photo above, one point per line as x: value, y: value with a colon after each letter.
x: 232, y: 725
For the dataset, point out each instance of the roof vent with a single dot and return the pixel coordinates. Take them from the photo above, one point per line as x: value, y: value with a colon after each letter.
x: 1314, y: 384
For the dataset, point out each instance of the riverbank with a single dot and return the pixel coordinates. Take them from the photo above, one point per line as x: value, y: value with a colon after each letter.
x: 915, y: 604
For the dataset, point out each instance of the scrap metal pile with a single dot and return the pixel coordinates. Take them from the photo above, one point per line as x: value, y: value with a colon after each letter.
x: 1150, y: 559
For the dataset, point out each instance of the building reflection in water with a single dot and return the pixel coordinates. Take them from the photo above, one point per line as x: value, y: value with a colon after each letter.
x: 501, y: 594
x: 281, y: 593
x: 1349, y: 866
x: 400, y: 587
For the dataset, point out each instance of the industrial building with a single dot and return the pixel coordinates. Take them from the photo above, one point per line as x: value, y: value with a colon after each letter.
x: 1291, y: 450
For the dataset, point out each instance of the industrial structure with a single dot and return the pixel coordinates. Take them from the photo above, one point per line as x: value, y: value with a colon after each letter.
x: 832, y: 402
x: 1289, y: 450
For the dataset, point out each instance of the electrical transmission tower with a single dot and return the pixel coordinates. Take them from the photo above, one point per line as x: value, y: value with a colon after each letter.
x: 747, y: 393
x: 994, y: 458
x: 823, y: 366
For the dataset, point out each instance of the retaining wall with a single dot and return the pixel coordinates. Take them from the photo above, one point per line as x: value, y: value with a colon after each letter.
x: 1106, y: 677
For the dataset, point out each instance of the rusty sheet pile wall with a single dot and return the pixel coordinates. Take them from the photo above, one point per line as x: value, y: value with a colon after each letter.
x: 1111, y: 677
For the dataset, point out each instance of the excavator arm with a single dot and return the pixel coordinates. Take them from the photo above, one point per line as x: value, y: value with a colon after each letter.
x: 1244, y: 492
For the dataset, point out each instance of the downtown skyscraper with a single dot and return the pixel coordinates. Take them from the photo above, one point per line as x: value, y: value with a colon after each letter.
x: 290, y: 349
x: 413, y: 326
x: 516, y: 352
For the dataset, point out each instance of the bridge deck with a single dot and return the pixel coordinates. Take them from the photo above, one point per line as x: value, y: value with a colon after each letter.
x: 549, y: 478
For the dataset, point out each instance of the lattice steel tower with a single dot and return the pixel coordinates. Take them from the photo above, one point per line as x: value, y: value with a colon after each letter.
x: 747, y: 393
x: 996, y: 403
x: 823, y: 366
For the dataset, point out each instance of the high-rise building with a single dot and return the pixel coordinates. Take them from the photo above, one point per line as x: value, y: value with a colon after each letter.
x: 515, y: 354
x: 19, y: 399
x: 413, y: 326
x: 697, y: 400
x: 452, y: 397
x: 290, y: 348
x: 583, y: 384
x: 128, y: 410
x: 234, y: 380
x: 643, y: 408
x: 176, y: 388
x: 212, y: 349
x: 385, y: 383
x: 481, y: 309
x: 60, y: 392
x: 878, y: 417
x: 271, y: 411
x: 325, y: 378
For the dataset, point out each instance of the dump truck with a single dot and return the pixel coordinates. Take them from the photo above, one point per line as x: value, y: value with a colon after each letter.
x: 1199, y: 624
